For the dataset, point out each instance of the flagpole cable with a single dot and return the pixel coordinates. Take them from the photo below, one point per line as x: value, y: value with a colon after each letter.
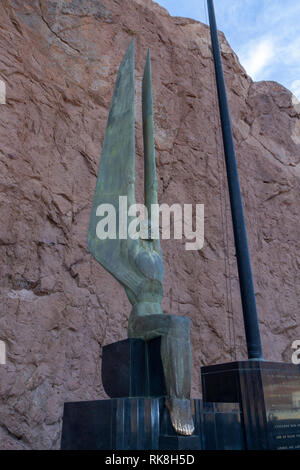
x: 223, y: 210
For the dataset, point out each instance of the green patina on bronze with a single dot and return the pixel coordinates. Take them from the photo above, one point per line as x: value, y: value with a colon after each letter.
x: 138, y: 264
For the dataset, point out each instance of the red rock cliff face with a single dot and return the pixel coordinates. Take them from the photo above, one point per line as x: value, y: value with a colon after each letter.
x: 58, y: 306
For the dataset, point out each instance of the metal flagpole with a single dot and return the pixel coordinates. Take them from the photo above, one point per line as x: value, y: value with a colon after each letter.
x: 251, y: 324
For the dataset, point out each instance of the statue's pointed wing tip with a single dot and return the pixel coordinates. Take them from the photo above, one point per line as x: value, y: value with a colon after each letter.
x: 131, y: 45
x: 148, y: 59
x: 147, y: 70
x: 129, y: 55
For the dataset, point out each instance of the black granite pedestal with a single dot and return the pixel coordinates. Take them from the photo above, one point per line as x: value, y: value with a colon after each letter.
x: 136, y: 418
x: 135, y: 423
x: 269, y: 397
x: 119, y: 424
x: 133, y: 368
x: 144, y: 424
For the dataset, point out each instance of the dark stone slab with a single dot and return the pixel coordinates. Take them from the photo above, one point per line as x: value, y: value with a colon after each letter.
x: 144, y: 424
x: 222, y: 425
x: 87, y: 425
x: 127, y: 366
x: 135, y: 424
x: 268, y: 394
x: 120, y: 424
x: 136, y: 418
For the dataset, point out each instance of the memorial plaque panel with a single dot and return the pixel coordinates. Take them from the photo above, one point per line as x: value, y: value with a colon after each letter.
x: 269, y: 397
x: 281, y: 388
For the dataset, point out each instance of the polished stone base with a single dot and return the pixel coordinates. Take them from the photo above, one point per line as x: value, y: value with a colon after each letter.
x: 144, y: 424
x: 269, y: 396
x: 222, y: 426
x: 119, y: 424
x: 133, y: 368
x: 136, y: 418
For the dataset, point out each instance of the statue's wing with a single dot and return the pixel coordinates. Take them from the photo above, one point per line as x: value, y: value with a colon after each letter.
x: 150, y: 178
x: 116, y: 176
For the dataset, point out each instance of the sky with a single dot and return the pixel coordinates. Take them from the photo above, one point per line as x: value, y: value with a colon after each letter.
x: 265, y: 34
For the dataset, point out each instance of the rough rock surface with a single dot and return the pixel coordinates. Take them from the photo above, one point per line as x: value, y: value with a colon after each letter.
x: 58, y: 306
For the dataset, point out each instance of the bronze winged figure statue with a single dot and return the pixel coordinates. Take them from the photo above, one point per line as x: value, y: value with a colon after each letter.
x: 137, y: 263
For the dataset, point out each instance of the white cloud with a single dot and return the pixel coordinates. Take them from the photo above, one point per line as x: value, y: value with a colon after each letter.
x: 295, y: 87
x: 257, y: 56
x: 265, y: 34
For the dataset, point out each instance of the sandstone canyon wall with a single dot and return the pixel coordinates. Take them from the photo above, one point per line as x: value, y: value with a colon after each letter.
x: 58, y: 306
